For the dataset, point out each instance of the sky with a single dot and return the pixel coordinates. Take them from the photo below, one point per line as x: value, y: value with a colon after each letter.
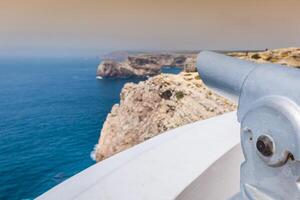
x: 96, y: 26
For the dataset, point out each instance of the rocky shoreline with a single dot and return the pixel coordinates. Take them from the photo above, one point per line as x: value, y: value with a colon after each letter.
x: 167, y: 101
x: 121, y: 64
x: 145, y: 64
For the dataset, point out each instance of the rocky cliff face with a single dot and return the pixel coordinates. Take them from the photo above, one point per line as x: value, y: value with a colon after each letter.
x: 151, y: 107
x: 168, y: 101
x: 145, y: 65
x: 151, y: 64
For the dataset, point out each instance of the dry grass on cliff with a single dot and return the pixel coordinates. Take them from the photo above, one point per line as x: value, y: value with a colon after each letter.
x: 284, y: 56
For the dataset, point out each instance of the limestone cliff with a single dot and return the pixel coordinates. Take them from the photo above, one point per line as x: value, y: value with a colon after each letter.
x: 151, y: 107
x: 168, y: 101
x: 121, y: 64
x: 145, y: 64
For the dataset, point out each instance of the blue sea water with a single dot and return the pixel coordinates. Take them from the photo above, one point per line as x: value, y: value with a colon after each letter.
x: 171, y: 70
x: 51, y: 114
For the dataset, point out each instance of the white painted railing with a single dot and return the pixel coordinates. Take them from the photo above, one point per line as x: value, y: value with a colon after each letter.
x: 196, y: 161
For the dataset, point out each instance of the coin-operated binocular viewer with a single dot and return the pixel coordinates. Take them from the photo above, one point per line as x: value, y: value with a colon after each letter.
x: 268, y: 97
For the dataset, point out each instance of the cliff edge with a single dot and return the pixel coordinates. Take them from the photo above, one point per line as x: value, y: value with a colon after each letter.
x: 284, y: 56
x: 154, y: 106
x: 145, y: 64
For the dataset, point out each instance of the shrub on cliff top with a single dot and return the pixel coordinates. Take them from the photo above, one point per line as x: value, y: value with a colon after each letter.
x: 179, y: 95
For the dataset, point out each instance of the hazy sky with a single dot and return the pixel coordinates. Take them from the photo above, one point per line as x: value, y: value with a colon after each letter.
x: 95, y: 26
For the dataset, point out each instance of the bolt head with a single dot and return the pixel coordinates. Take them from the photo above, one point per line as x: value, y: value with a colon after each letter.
x: 265, y: 145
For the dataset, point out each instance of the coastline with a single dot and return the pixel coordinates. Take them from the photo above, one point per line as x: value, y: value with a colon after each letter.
x: 148, y: 108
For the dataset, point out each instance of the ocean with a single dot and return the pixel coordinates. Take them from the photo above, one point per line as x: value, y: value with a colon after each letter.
x: 51, y: 114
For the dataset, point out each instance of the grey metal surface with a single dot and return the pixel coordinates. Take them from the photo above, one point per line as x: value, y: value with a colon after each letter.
x: 269, y: 113
x: 223, y: 74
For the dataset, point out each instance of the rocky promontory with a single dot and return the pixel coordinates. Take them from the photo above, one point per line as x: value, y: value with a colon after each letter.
x: 167, y: 101
x: 122, y: 64
x: 151, y: 107
x: 145, y: 64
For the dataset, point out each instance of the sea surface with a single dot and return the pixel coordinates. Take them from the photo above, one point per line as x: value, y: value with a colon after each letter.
x: 51, y: 114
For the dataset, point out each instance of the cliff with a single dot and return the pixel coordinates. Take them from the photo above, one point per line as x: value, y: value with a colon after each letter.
x: 154, y: 106
x: 168, y: 101
x: 145, y: 64
x: 284, y: 56
x: 121, y: 64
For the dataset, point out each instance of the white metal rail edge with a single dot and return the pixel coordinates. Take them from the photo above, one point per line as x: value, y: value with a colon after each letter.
x: 189, y: 162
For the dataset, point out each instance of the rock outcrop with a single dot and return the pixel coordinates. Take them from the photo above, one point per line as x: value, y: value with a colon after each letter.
x: 168, y: 101
x: 145, y: 65
x: 284, y: 56
x: 151, y: 107
x: 121, y: 64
